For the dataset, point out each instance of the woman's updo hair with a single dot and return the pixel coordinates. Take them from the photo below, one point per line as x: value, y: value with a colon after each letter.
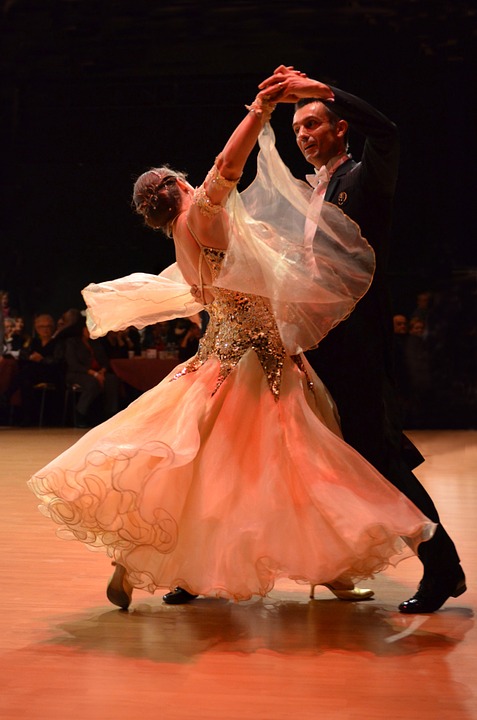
x: 157, y: 197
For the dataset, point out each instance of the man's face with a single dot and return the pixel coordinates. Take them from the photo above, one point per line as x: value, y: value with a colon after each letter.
x: 317, y: 138
x: 44, y: 327
x: 400, y: 324
x: 416, y: 328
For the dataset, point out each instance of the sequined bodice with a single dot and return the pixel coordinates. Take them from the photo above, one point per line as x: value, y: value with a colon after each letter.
x: 238, y: 323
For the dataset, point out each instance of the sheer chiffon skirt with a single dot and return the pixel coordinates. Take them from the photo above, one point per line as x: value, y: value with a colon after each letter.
x: 224, y: 492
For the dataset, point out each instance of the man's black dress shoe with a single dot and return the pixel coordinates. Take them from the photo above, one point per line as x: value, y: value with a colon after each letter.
x: 178, y: 596
x: 433, y: 593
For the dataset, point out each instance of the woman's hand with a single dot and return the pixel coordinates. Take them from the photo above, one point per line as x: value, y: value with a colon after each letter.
x: 289, y: 85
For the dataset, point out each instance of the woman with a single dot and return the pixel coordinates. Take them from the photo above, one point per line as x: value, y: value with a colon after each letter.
x: 232, y: 472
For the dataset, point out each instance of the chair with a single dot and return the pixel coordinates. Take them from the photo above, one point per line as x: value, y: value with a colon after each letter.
x: 71, y: 396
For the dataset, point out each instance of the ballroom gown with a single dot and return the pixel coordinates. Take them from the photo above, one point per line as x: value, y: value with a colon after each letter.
x: 231, y: 472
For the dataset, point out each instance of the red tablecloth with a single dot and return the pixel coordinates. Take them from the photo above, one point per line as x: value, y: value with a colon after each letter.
x: 143, y: 373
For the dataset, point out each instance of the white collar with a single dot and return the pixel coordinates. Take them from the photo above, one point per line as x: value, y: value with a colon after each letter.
x: 325, y: 172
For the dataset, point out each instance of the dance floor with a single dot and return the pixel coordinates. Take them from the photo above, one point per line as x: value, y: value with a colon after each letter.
x: 67, y: 654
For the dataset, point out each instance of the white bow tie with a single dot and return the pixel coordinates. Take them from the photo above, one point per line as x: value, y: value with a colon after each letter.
x: 319, y: 176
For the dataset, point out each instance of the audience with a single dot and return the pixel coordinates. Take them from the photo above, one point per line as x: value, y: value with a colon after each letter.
x: 400, y: 325
x: 69, y: 324
x: 419, y: 373
x: 88, y: 370
x: 5, y: 310
x: 435, y: 356
x: 189, y: 341
x: 161, y: 337
x: 423, y: 302
x: 38, y: 364
x: 12, y: 342
x: 121, y: 344
x: 436, y: 359
x: 401, y: 374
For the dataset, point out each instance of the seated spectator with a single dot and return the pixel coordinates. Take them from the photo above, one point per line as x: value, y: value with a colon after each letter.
x: 5, y: 309
x: 400, y: 324
x: 401, y: 374
x: 189, y: 343
x: 12, y: 342
x: 121, y: 343
x: 19, y: 331
x: 417, y: 327
x: 424, y: 301
x: 161, y: 337
x: 120, y: 346
x: 135, y: 337
x: 87, y: 366
x: 69, y: 323
x: 38, y: 363
x: 418, y: 367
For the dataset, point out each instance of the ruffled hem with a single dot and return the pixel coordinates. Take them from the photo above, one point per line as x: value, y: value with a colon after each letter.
x: 223, y: 494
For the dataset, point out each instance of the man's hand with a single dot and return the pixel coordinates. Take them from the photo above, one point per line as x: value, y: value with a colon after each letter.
x: 289, y: 85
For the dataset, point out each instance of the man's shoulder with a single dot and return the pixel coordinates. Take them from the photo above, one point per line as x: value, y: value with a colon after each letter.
x: 73, y: 341
x: 347, y: 174
x: 346, y: 168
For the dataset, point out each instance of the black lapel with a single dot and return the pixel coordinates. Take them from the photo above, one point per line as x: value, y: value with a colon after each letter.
x: 337, y: 175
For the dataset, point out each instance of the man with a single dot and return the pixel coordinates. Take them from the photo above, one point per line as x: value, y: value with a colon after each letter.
x: 88, y: 367
x: 355, y: 361
x: 400, y: 324
x: 38, y: 364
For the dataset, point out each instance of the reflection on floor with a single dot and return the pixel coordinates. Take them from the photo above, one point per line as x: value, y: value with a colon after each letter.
x: 67, y: 654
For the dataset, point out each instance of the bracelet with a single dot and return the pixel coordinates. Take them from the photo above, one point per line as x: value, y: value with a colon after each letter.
x: 205, y: 204
x: 215, y: 176
x: 260, y: 106
x: 202, y: 200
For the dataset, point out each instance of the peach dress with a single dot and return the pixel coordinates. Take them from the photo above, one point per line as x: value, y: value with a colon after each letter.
x: 231, y: 472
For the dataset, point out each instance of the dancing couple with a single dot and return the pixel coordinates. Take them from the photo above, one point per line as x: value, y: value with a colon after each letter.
x: 239, y: 467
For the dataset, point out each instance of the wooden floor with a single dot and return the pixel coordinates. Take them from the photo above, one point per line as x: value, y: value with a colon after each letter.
x: 67, y: 654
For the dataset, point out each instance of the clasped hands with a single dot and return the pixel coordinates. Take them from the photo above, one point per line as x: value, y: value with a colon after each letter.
x: 288, y: 85
x: 99, y: 375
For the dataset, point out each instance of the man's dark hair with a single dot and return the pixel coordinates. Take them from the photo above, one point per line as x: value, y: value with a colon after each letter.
x: 332, y: 116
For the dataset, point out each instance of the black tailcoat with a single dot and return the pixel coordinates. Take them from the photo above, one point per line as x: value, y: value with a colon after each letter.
x: 355, y: 361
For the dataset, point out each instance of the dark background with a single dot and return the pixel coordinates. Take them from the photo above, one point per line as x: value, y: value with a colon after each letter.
x: 96, y: 91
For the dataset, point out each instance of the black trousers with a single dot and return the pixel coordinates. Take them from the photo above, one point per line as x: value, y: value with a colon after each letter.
x: 438, y: 555
x: 92, y: 389
x: 370, y: 422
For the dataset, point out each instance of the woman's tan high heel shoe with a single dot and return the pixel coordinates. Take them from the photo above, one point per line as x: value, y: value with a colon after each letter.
x: 344, y: 590
x: 119, y: 591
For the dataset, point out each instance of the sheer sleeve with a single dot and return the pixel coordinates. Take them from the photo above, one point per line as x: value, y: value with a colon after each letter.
x: 312, y: 285
x: 139, y: 299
